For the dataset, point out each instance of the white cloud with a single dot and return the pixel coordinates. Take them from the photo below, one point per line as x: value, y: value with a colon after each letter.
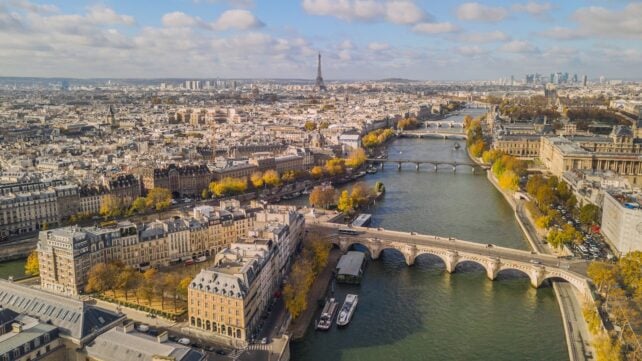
x: 473, y: 11
x: 178, y: 19
x: 435, y: 28
x: 602, y: 22
x: 561, y: 33
x: 485, y: 37
x: 233, y: 3
x: 403, y: 12
x: 471, y: 50
x: 35, y: 8
x: 230, y: 19
x: 346, y: 44
x: 533, y: 8
x: 375, y: 46
x: 394, y: 11
x: 237, y: 19
x: 103, y: 15
x: 519, y: 46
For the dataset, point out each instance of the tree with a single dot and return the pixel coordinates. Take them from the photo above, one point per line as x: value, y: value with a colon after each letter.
x: 110, y: 206
x: 468, y: 119
x: 128, y: 279
x: 606, y: 349
x: 356, y: 158
x: 407, y: 123
x: 310, y: 126
x: 32, y: 267
x: 477, y: 148
x: 589, y: 214
x: 272, y: 178
x: 345, y: 203
x: 206, y: 194
x: 544, y: 197
x: 103, y: 277
x: 257, y: 180
x: 322, y: 196
x: 335, y: 166
x: 543, y: 221
x: 139, y: 205
x: 360, y: 194
x: 288, y: 176
x: 324, y: 125
x: 316, y: 172
x: 159, y: 198
x: 183, y: 287
x: 229, y: 186
x: 603, y: 275
x: 509, y: 180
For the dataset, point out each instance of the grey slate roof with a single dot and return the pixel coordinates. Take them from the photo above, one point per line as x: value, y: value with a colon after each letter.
x: 75, y: 318
x: 116, y: 345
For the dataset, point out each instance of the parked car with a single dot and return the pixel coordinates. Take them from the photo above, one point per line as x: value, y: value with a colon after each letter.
x: 184, y: 341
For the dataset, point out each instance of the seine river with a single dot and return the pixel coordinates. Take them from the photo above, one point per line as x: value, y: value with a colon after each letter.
x: 424, y: 313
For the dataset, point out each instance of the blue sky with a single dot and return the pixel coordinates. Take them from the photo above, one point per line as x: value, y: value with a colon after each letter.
x: 359, y: 39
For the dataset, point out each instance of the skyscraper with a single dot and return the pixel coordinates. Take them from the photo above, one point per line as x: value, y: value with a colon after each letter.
x: 319, y: 83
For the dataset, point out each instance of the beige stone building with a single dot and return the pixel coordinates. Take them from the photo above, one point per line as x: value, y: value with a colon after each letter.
x: 562, y: 154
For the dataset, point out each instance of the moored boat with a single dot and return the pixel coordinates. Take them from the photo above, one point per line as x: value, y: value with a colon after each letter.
x: 347, y: 310
x: 327, y: 315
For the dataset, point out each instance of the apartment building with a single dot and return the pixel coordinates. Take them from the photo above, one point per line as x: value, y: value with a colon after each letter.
x: 67, y: 254
x: 622, y: 221
x: 28, y: 207
x: 229, y: 299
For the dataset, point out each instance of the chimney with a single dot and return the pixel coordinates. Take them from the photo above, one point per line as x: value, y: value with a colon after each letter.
x: 16, y: 327
x: 162, y: 337
x: 128, y: 327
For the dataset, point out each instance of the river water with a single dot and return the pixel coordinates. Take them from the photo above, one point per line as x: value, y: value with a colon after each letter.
x: 422, y: 312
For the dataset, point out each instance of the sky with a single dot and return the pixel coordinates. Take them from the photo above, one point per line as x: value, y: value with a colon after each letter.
x: 359, y: 39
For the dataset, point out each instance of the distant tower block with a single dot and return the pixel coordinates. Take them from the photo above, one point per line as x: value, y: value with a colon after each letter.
x: 319, y: 83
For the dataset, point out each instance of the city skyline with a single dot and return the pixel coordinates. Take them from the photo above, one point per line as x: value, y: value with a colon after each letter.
x: 366, y: 39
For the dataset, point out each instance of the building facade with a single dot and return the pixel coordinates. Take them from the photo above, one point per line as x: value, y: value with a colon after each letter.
x: 622, y: 222
x: 66, y: 255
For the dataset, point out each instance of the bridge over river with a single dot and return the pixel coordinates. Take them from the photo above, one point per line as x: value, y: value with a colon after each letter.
x: 418, y: 162
x: 494, y: 259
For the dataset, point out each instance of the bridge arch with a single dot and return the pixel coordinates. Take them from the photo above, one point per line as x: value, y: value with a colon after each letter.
x: 426, y: 254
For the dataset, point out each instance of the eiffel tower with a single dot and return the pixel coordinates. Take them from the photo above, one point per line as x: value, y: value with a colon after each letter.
x: 319, y: 83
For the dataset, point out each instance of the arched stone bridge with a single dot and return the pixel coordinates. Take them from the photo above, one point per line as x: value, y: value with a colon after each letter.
x: 494, y: 259
x: 435, y: 163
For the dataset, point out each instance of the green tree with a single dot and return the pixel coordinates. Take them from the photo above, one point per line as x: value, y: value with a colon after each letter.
x: 589, y: 214
x: 32, y: 266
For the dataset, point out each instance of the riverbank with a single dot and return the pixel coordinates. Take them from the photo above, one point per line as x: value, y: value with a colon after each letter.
x: 318, y: 291
x: 575, y: 329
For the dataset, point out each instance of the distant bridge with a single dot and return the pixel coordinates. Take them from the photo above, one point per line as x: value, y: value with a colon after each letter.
x: 452, y: 252
x: 418, y: 162
x: 443, y: 133
x: 443, y: 124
